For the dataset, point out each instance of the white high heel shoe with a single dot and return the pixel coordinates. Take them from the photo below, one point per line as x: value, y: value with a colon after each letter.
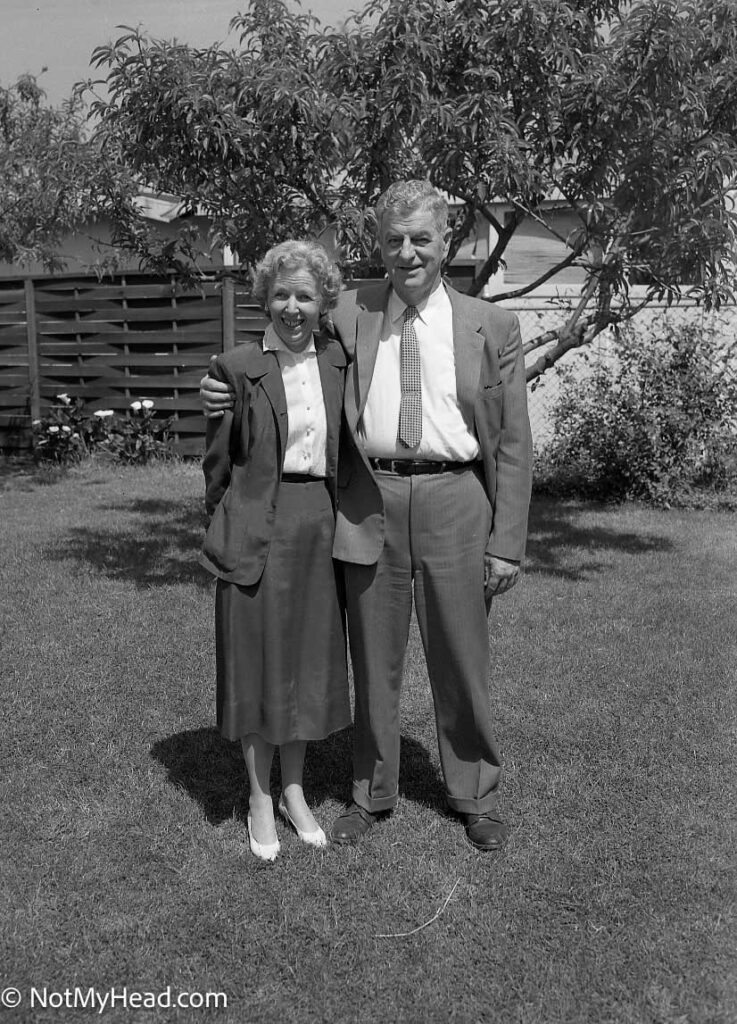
x: 264, y: 851
x: 316, y: 838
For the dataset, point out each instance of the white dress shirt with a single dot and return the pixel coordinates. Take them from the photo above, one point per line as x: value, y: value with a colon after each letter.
x: 307, y: 425
x: 445, y: 434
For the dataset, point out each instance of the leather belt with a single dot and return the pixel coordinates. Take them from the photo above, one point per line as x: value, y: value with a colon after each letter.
x: 411, y: 467
x: 299, y: 478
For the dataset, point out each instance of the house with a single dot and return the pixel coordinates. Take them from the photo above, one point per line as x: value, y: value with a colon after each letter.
x: 82, y: 251
x: 536, y: 245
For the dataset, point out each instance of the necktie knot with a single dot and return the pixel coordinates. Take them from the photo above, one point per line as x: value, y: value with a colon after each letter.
x: 410, y: 314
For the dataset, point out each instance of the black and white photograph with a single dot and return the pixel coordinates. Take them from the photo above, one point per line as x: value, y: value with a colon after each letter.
x: 368, y: 501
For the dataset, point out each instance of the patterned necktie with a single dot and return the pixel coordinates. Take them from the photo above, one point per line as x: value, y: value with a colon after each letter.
x: 410, y: 409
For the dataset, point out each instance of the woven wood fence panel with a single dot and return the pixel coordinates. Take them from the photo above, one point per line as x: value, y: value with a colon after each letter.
x: 139, y: 336
x: 112, y: 342
x: 16, y: 372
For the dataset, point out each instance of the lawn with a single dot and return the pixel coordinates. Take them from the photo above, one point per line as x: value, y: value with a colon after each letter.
x: 124, y: 851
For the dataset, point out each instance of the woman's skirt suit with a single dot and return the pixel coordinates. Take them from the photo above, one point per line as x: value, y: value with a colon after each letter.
x: 279, y: 612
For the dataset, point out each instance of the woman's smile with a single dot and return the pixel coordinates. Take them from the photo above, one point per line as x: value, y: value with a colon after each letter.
x: 294, y: 307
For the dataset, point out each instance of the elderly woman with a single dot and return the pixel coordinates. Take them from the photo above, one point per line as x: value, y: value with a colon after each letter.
x: 270, y: 469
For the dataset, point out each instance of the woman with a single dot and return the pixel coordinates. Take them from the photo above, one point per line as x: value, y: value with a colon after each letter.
x: 270, y: 468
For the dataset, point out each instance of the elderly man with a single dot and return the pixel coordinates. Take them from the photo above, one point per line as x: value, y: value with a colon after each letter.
x: 433, y: 493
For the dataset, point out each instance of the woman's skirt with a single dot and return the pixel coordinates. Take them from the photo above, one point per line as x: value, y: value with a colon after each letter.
x: 281, y: 651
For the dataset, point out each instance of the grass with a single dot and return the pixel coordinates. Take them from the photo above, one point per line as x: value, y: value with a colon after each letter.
x: 124, y: 854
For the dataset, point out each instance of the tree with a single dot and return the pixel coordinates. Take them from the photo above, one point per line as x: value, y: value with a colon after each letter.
x: 625, y: 112
x: 250, y: 137
x: 52, y: 176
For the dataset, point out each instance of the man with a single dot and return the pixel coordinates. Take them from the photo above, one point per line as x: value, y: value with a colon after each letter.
x: 433, y: 492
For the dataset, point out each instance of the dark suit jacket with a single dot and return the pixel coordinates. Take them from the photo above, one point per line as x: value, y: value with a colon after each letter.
x: 492, y: 395
x: 244, y: 455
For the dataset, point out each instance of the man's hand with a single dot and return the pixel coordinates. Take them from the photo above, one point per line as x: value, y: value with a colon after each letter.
x: 216, y: 396
x: 499, y: 575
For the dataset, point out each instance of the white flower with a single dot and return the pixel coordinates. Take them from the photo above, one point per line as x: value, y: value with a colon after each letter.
x: 64, y: 398
x: 136, y: 406
x: 102, y: 414
x: 147, y: 403
x: 53, y: 430
x: 36, y: 423
x: 66, y: 429
x: 75, y: 435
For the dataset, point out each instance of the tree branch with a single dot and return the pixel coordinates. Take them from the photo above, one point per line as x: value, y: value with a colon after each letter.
x: 571, y: 258
x: 491, y: 264
x: 543, y: 223
x: 467, y: 220
x: 491, y: 217
x: 581, y: 335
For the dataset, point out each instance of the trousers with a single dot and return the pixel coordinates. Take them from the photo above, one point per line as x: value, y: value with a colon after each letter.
x: 436, y: 531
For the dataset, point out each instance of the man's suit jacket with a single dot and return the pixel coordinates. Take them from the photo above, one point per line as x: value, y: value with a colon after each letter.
x: 492, y: 395
x: 245, y: 450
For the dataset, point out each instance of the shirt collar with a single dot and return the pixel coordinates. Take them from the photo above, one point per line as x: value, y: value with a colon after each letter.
x: 436, y: 300
x: 273, y: 343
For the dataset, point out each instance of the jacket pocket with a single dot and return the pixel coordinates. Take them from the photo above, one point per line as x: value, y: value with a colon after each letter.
x: 489, y: 415
x: 222, y: 541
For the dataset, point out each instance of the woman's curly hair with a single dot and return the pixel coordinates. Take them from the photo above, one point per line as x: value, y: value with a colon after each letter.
x: 298, y: 255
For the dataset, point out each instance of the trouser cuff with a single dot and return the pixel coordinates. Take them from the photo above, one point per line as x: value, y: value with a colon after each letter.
x: 486, y: 805
x: 373, y: 804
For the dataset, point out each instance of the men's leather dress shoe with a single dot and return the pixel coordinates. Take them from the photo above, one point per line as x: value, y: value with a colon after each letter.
x: 485, y: 832
x: 353, y: 823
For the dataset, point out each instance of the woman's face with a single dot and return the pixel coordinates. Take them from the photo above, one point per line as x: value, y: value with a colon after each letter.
x: 294, y: 306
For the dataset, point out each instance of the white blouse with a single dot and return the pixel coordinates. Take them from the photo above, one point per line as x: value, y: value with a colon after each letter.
x: 307, y: 424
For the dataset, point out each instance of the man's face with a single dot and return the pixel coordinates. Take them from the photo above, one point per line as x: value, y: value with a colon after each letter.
x: 413, y: 250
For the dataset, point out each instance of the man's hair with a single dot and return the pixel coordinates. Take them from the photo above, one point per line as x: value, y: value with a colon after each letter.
x: 298, y: 255
x: 407, y: 197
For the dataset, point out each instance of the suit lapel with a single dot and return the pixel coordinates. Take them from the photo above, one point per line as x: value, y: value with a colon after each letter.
x: 331, y: 362
x: 369, y: 321
x: 468, y: 347
x: 263, y: 367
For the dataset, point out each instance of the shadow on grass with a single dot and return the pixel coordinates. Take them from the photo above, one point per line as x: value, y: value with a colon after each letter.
x: 211, y: 770
x: 18, y: 473
x: 160, y: 543
x: 555, y: 527
x: 158, y: 547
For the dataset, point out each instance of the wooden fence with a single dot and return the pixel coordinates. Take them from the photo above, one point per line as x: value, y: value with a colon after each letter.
x: 138, y: 336
x: 112, y: 342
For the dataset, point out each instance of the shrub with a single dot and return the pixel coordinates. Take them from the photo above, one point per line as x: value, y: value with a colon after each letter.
x: 68, y: 433
x: 659, y: 422
x: 140, y: 438
x: 60, y: 436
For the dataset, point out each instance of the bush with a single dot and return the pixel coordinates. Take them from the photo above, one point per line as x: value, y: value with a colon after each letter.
x: 69, y: 433
x: 140, y: 438
x: 60, y: 437
x: 659, y: 422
